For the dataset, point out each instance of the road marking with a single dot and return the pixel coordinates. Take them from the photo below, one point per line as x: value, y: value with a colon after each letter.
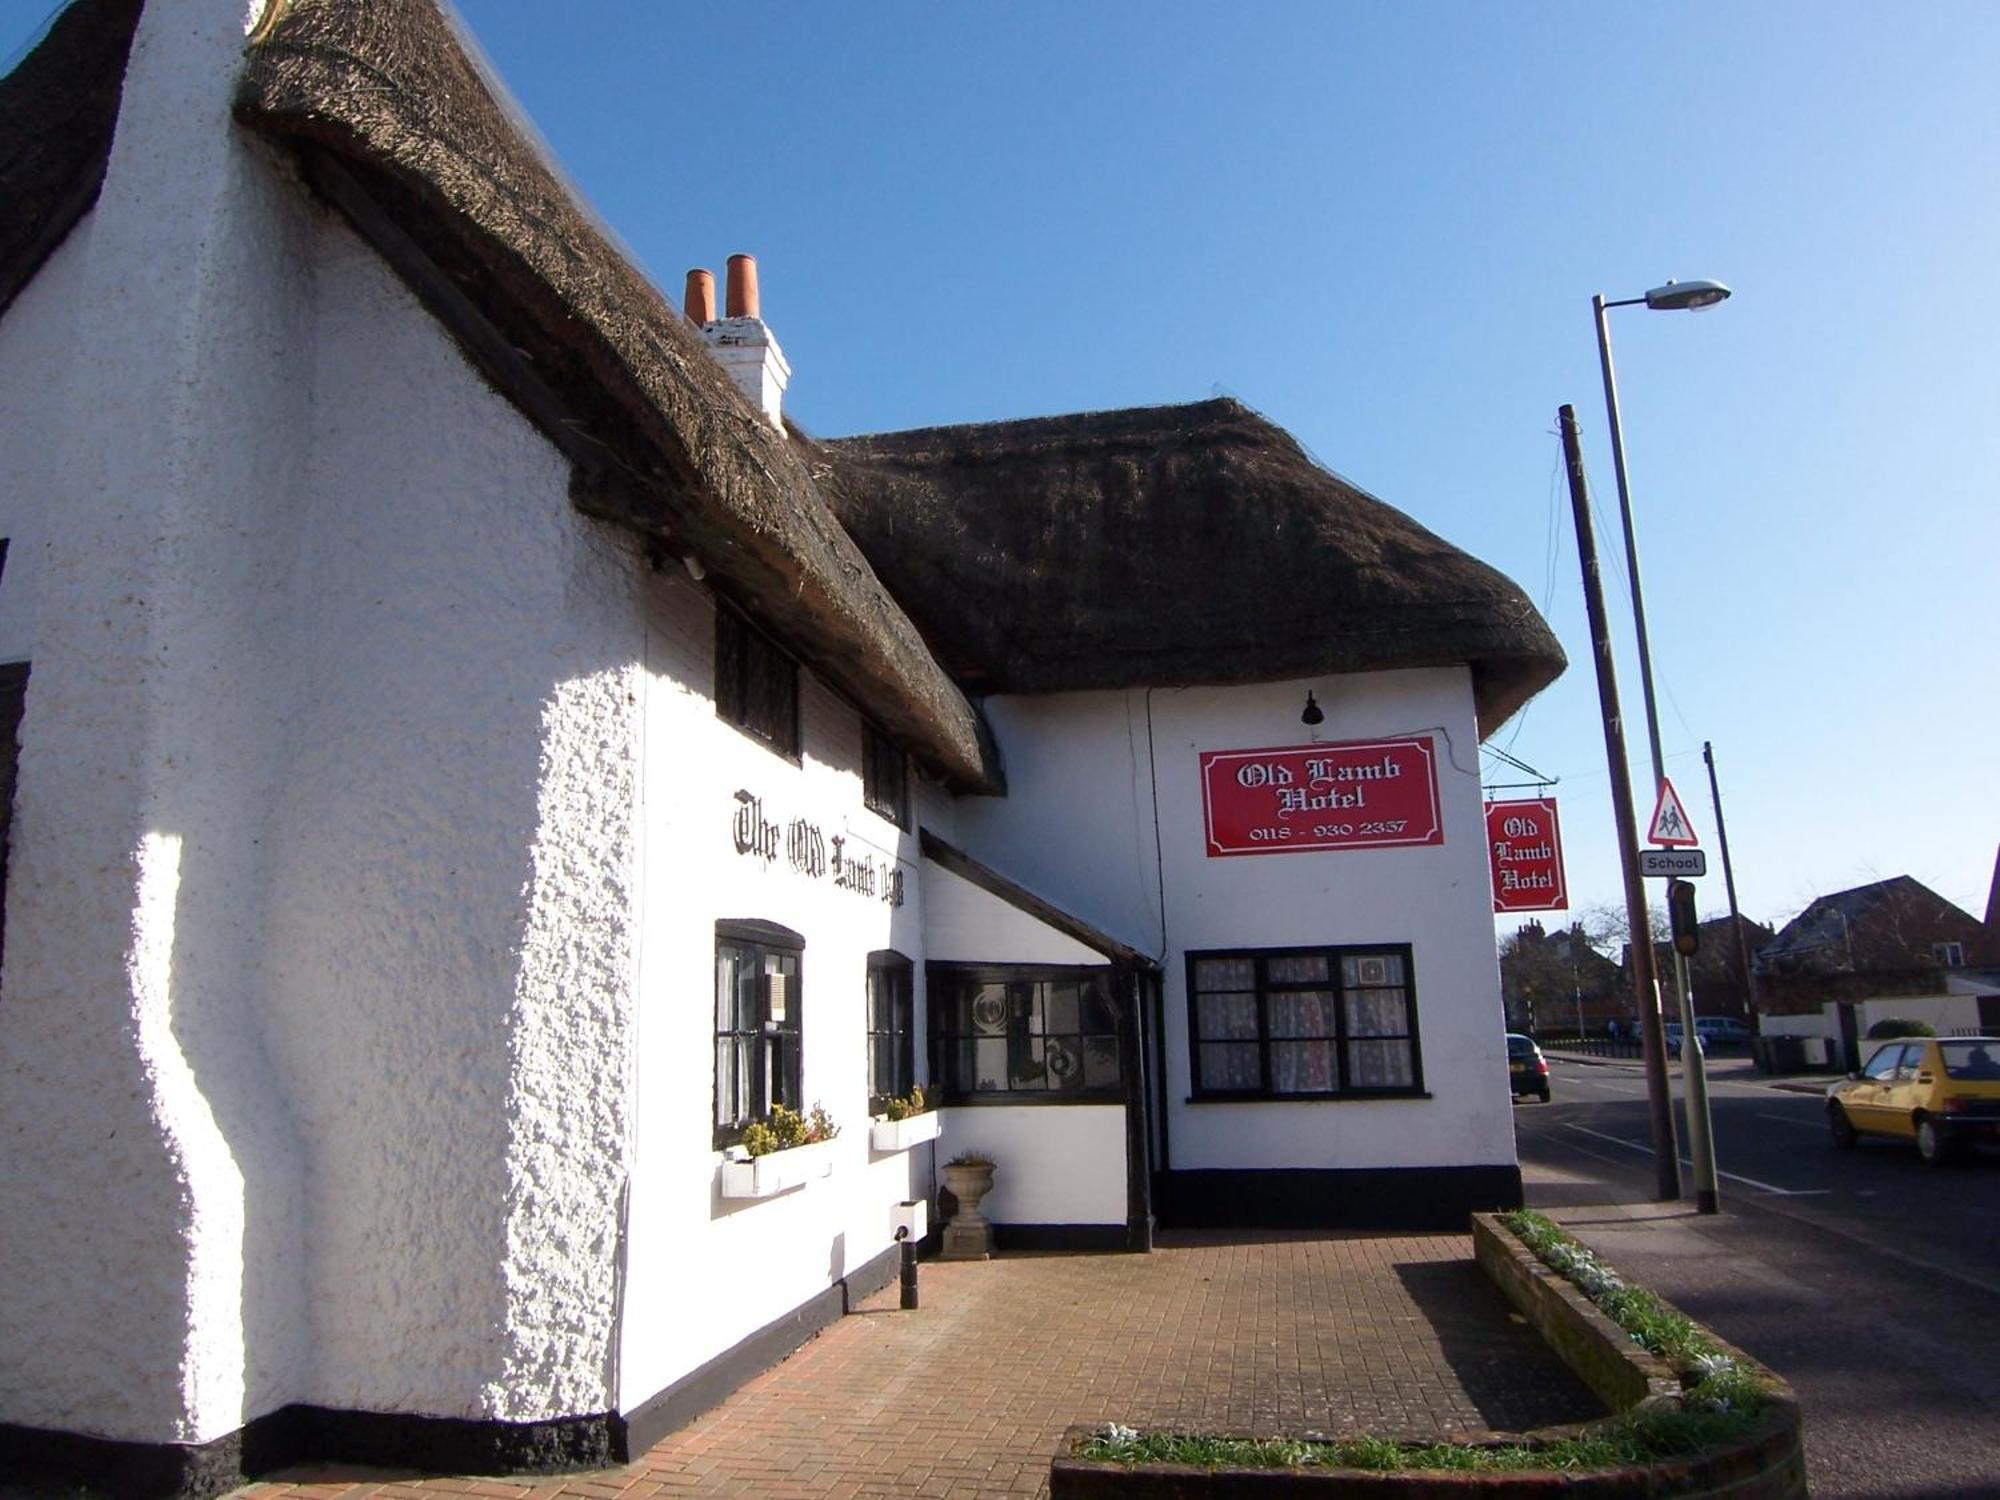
x: 1764, y: 1187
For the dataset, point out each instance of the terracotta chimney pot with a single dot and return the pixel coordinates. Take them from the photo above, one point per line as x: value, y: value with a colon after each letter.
x: 699, y: 304
x: 743, y: 301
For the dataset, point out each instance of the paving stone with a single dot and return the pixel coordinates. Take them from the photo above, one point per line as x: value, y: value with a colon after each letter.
x: 1398, y: 1335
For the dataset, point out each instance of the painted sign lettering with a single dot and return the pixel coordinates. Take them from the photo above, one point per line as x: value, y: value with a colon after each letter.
x: 1524, y: 841
x: 806, y: 849
x: 1358, y: 794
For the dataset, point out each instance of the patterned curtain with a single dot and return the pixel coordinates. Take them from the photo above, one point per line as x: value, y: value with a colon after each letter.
x: 1303, y: 1066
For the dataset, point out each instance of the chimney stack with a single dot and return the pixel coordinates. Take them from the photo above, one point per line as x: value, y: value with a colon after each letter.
x: 740, y: 341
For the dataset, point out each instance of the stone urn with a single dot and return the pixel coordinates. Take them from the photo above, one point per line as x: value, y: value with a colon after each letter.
x: 968, y: 1236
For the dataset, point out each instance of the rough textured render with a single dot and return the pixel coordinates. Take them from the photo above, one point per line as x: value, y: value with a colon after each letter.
x: 136, y: 1068
x: 319, y: 969
x: 450, y: 886
x: 397, y: 126
x: 1169, y: 545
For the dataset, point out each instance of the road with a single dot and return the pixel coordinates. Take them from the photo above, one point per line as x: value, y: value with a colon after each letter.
x: 1867, y: 1279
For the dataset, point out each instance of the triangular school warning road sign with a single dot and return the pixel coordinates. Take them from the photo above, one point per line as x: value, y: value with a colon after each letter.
x: 1670, y: 820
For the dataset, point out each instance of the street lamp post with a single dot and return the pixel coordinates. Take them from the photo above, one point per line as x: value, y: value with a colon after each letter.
x: 1675, y: 296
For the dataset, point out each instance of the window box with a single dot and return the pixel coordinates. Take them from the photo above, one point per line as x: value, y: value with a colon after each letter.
x: 778, y: 1172
x: 900, y: 1135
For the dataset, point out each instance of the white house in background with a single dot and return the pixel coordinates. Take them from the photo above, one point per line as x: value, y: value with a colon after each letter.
x: 471, y: 760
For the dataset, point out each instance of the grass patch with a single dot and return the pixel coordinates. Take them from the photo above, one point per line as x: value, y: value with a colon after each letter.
x: 1719, y: 1405
x: 1717, y: 1382
x: 1641, y: 1438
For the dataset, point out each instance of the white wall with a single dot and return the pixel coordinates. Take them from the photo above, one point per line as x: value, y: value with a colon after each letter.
x: 1078, y: 827
x: 149, y: 1189
x: 450, y: 882
x: 966, y: 924
x: 314, y: 1056
x: 705, y: 1271
x: 1053, y: 1163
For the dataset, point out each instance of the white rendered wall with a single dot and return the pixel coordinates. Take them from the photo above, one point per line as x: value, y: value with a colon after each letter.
x: 1077, y: 826
x: 1057, y: 1163
x: 451, y: 959
x: 314, y: 1054
x: 150, y: 1183
x: 965, y: 924
x: 705, y: 1271
x: 1053, y: 1163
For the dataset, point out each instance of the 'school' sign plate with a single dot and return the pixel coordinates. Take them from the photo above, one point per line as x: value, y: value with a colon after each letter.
x: 1358, y: 794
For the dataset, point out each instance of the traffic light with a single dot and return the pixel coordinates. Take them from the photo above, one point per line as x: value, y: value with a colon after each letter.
x: 1681, y: 917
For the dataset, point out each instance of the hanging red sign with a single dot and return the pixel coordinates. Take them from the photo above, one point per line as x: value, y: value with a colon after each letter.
x: 1525, y: 843
x: 1358, y: 794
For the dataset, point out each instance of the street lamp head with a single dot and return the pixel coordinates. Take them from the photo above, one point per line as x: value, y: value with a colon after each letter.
x: 1690, y: 295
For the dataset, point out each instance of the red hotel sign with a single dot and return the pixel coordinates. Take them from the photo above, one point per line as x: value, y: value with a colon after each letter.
x: 1361, y: 794
x: 1525, y: 842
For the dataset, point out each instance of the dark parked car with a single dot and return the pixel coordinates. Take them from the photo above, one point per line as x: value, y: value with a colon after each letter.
x: 1527, y: 1069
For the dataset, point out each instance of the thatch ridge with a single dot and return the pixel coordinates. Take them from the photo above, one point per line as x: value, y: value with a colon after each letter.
x: 394, y: 123
x: 58, y: 110
x: 1169, y: 545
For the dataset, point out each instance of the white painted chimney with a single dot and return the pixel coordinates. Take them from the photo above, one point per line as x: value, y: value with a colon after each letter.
x: 746, y: 348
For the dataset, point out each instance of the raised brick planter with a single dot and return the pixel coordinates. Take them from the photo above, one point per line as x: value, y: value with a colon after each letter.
x: 1766, y: 1464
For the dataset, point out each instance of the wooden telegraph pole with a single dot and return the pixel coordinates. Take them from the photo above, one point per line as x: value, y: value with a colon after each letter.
x: 1639, y: 937
x: 1729, y: 880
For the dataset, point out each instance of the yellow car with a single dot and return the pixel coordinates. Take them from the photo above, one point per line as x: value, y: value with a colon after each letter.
x: 1941, y: 1092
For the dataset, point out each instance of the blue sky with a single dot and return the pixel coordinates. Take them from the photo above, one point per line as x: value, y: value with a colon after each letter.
x: 1381, y: 226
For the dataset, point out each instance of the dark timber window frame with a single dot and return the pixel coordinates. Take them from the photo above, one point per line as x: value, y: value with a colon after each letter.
x: 758, y: 1032
x: 756, y: 683
x: 891, y: 1021
x: 954, y: 1022
x: 885, y: 776
x: 1342, y: 1037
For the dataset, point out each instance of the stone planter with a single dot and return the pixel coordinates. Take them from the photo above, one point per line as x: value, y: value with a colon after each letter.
x: 968, y: 1236
x: 900, y: 1135
x: 763, y: 1176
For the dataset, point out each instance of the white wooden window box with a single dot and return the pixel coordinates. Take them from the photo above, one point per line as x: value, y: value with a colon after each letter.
x: 901, y: 1135
x: 762, y: 1176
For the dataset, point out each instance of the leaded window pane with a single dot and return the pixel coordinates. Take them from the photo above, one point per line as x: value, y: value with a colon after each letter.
x: 989, y: 1069
x: 1322, y: 1022
x: 1062, y: 1056
x: 1100, y: 1062
x: 989, y: 1010
x: 1225, y: 974
x: 1361, y: 970
x: 1060, y: 1014
x: 1302, y: 1067
x: 1380, y: 1065
x: 1026, y: 1069
x: 1299, y: 968
x: 1377, y: 1013
x: 1227, y: 1017
x: 1034, y: 1035
x: 1231, y: 1065
x: 1302, y: 1013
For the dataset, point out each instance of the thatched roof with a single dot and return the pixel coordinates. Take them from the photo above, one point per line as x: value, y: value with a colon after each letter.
x: 1169, y: 545
x: 395, y: 125
x: 57, y: 112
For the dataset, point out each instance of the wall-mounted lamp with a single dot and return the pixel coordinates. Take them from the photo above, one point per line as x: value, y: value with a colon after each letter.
x: 1313, y: 717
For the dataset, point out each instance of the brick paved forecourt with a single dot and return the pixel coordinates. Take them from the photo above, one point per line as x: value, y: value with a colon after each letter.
x: 969, y: 1395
